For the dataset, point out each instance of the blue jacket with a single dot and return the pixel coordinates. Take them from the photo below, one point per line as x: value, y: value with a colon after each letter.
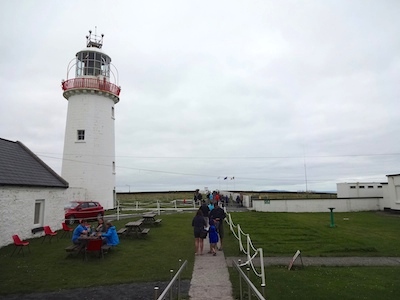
x: 111, y: 236
x: 77, y: 232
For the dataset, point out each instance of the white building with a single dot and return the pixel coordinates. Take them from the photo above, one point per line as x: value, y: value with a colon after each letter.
x: 359, y: 189
x: 392, y: 194
x: 89, y: 145
x: 32, y: 194
x: 351, y: 196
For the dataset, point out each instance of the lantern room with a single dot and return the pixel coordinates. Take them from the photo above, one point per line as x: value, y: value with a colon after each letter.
x: 93, y: 71
x: 92, y: 61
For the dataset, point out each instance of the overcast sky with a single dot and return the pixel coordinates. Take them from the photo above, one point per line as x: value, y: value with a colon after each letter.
x: 289, y: 95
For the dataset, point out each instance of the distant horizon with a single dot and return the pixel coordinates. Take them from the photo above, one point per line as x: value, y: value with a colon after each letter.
x: 236, y: 191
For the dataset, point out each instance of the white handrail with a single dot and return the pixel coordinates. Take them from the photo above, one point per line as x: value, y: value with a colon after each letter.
x: 248, y: 250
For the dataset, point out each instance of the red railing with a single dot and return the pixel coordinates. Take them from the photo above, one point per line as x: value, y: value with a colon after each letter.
x: 91, y: 83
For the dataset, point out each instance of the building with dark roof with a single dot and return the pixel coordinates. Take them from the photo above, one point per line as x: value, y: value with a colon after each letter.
x: 21, y: 167
x: 32, y: 195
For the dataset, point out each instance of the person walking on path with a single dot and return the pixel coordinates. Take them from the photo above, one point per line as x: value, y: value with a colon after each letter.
x: 205, y: 210
x: 210, y: 278
x: 213, y: 237
x: 198, y: 224
x: 218, y: 214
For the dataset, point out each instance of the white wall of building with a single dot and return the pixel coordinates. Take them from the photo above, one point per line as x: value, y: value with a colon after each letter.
x: 317, y: 205
x: 394, y: 191
x: 90, y: 164
x: 385, y: 202
x: 17, y: 207
x: 359, y: 189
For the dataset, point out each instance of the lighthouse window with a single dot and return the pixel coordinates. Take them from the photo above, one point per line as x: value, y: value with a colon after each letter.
x: 92, y: 64
x: 81, y: 135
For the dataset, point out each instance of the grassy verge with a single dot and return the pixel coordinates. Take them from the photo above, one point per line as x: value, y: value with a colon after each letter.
x: 328, y: 283
x: 47, y: 268
x: 355, y: 234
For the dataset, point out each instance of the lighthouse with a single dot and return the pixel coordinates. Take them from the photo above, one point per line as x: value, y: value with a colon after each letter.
x: 89, y: 144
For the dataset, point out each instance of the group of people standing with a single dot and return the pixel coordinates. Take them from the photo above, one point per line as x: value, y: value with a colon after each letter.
x: 218, y: 197
x: 209, y: 220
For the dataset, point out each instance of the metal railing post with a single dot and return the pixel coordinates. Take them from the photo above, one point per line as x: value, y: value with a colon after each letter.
x: 240, y: 282
x: 243, y: 277
x: 260, y: 250
x: 170, y: 290
x: 248, y: 285
x: 155, y: 292
x: 179, y: 279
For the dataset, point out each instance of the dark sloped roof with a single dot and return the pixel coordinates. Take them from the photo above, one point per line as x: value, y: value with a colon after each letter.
x: 20, y: 166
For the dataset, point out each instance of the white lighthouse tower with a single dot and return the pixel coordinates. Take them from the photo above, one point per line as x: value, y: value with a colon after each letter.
x: 89, y: 145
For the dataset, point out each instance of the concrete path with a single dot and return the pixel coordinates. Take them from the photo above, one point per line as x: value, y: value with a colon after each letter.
x: 210, y: 278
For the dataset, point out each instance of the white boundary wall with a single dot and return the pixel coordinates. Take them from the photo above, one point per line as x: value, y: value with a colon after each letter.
x: 317, y: 205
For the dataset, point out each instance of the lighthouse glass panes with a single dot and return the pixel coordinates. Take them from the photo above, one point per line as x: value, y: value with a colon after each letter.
x: 92, y: 64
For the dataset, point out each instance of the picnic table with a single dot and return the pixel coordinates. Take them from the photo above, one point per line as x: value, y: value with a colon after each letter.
x: 135, y: 229
x: 150, y: 218
x: 83, y: 241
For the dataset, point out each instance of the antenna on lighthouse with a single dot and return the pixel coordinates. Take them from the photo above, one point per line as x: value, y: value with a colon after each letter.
x: 93, y: 40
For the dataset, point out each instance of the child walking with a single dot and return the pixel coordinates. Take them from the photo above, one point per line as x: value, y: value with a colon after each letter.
x: 213, y: 237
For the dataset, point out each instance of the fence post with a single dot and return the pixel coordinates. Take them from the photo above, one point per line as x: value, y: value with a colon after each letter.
x: 241, y: 248
x: 179, y: 279
x: 158, y: 207
x: 170, y: 290
x: 248, y: 286
x: 118, y: 208
x: 248, y: 247
x: 260, y: 250
x: 137, y: 205
x: 230, y: 222
x: 155, y: 292
x: 240, y: 282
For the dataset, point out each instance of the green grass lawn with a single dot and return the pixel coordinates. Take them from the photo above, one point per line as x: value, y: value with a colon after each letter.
x: 355, y: 234
x: 145, y: 260
x: 47, y: 268
x: 327, y: 283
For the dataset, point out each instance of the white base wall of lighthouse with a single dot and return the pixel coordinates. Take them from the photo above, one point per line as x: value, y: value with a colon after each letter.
x: 89, y: 163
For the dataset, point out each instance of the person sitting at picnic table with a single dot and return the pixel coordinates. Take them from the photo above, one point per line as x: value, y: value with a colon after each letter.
x: 101, y: 227
x: 111, y: 235
x: 78, y: 231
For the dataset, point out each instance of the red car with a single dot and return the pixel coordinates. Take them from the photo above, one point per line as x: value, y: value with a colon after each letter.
x: 83, y: 210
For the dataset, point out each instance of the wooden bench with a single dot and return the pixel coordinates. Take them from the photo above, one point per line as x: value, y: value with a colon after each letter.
x: 121, y: 231
x: 145, y: 231
x: 105, y: 248
x: 72, y: 248
x: 158, y: 221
